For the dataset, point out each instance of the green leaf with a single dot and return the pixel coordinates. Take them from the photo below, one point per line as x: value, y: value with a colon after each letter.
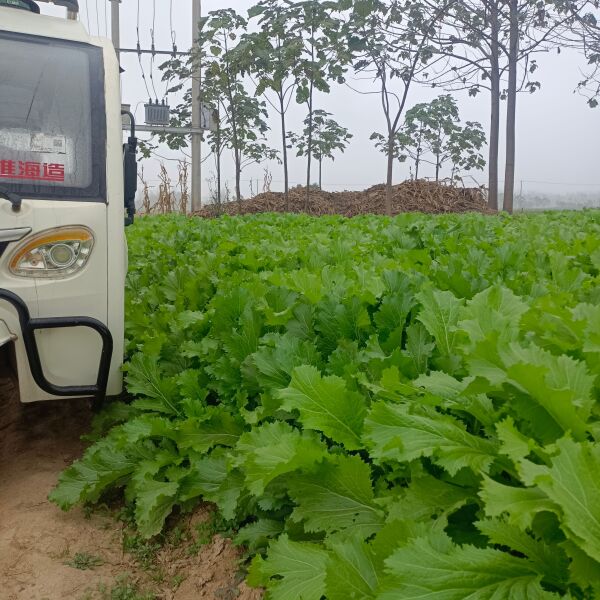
x: 584, y: 571
x: 144, y: 378
x: 258, y: 534
x: 154, y: 502
x: 393, y: 311
x: 495, y: 310
x: 419, y: 346
x: 440, y: 313
x: 427, y: 497
x: 549, y: 560
x: 591, y: 315
x: 353, y: 570
x: 292, y: 570
x: 275, y: 365
x: 206, y: 475
x: 102, y: 465
x: 546, y: 378
x: 394, y: 432
x: 274, y: 449
x: 325, y: 404
x: 336, y: 496
x: 434, y: 567
x: 520, y: 504
x: 441, y: 384
x: 573, y: 483
x: 220, y: 429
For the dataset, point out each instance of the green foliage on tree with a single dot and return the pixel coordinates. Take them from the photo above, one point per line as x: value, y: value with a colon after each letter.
x: 327, y: 138
x: 222, y: 59
x: 393, y: 45
x: 492, y: 45
x: 584, y: 36
x: 324, y: 58
x: 432, y: 134
x: 242, y: 122
x: 272, y: 54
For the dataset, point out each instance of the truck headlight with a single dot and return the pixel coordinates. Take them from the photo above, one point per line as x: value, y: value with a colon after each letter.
x: 53, y: 253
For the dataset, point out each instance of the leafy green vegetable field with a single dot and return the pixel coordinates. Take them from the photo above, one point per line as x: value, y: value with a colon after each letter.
x: 382, y: 408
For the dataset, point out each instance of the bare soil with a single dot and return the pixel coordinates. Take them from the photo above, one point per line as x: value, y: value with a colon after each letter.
x: 39, y: 544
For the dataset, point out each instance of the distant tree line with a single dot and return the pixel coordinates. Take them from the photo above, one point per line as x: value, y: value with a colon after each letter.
x: 286, y: 51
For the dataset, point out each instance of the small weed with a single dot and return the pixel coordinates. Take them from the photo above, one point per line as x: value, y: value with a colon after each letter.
x: 227, y: 593
x: 124, y: 589
x: 206, y: 530
x: 126, y: 515
x: 84, y: 561
x: 177, y: 536
x: 143, y: 551
x: 177, y: 581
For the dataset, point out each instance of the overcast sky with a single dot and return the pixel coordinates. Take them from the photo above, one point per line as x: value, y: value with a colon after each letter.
x: 558, y: 146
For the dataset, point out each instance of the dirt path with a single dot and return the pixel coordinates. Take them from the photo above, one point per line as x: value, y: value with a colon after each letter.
x: 49, y: 555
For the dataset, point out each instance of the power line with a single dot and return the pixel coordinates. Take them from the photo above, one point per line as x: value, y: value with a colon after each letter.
x: 139, y: 52
x: 173, y: 32
x: 87, y: 16
x: 560, y: 183
x: 174, y: 44
x: 156, y: 52
x: 97, y: 20
x: 105, y: 18
x: 153, y: 46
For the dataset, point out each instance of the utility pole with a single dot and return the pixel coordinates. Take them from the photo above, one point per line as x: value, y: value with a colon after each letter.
x: 115, y: 25
x: 196, y: 137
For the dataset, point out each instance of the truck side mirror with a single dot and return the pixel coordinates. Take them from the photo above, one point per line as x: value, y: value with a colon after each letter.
x: 130, y: 172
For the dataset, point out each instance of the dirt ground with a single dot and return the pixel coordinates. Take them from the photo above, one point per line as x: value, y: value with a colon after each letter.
x: 46, y: 554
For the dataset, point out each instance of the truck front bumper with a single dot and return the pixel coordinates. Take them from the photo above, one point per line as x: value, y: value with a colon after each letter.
x: 28, y: 329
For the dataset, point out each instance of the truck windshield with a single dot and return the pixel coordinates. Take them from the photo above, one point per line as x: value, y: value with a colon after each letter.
x: 52, y: 124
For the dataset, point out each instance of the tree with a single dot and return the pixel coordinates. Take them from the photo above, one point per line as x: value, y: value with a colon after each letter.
x: 584, y: 36
x: 324, y: 58
x: 432, y: 134
x: 272, y: 54
x: 242, y: 117
x: 392, y: 42
x: 463, y: 148
x: 327, y: 137
x: 492, y: 40
x: 223, y: 62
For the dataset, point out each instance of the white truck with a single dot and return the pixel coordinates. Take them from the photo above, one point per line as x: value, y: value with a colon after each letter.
x: 66, y: 184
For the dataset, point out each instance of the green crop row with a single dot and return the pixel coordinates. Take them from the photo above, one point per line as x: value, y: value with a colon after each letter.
x: 382, y: 408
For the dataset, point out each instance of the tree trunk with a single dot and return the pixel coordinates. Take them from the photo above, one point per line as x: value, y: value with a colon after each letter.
x: 219, y: 162
x: 286, y: 182
x: 419, y: 151
x: 438, y: 154
x: 238, y: 177
x: 495, y: 107
x: 390, y: 176
x: 511, y: 110
x: 320, y: 172
x: 310, y: 144
x: 310, y: 109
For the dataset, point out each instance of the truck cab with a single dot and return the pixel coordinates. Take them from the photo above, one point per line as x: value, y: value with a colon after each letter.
x: 63, y: 255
